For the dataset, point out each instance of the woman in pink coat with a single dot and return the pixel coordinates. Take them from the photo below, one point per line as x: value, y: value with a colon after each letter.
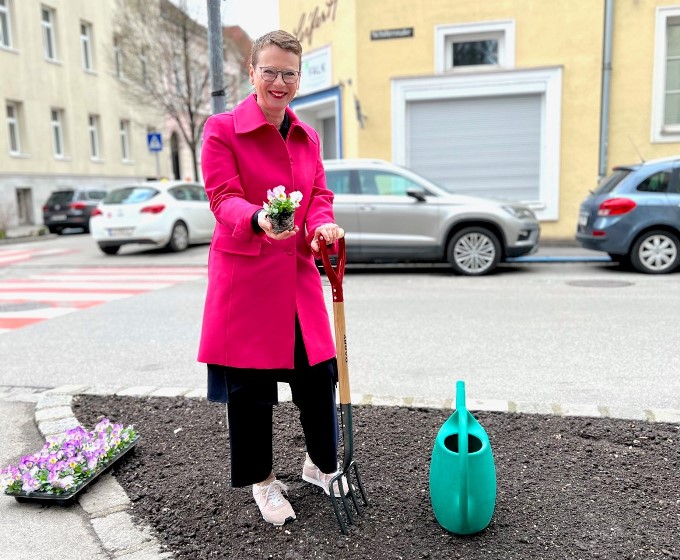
x: 265, y: 319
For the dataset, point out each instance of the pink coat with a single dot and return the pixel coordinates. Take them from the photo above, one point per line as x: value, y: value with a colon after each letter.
x: 256, y: 285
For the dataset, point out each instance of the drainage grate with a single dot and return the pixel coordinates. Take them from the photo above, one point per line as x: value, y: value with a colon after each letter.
x: 600, y: 283
x: 27, y: 306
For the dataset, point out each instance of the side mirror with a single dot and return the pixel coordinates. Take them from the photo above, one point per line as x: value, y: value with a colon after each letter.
x: 418, y: 194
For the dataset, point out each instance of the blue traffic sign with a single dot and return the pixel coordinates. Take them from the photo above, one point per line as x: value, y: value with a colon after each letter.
x: 154, y: 141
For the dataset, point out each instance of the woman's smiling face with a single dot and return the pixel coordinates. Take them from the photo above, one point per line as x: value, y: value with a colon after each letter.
x: 273, y: 97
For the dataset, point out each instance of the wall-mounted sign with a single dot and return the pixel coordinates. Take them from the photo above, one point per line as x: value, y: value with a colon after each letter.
x: 314, y: 19
x: 391, y: 33
x: 316, y: 71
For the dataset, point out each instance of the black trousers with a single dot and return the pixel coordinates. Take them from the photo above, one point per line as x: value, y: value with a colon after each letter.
x: 251, y: 395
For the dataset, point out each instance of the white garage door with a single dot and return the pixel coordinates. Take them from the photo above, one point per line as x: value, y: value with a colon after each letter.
x: 484, y: 146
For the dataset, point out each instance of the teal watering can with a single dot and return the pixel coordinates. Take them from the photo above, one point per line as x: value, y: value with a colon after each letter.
x: 462, y: 472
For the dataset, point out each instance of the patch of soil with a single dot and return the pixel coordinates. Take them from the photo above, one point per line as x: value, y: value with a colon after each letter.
x: 567, y: 487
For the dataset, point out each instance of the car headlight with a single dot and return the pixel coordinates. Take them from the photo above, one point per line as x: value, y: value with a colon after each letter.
x: 520, y: 212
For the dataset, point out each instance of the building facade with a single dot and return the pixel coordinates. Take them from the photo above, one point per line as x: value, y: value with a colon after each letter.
x: 518, y: 99
x: 69, y: 120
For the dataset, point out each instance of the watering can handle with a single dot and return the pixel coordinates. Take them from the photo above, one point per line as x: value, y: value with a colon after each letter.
x: 461, y: 409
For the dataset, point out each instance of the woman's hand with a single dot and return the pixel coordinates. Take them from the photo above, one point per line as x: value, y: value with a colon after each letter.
x: 266, y: 225
x: 328, y: 233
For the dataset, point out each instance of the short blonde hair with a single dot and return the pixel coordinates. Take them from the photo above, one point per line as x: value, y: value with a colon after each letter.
x: 282, y: 39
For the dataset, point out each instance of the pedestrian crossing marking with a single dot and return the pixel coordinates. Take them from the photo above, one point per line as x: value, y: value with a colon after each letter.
x: 40, y: 297
x: 13, y: 256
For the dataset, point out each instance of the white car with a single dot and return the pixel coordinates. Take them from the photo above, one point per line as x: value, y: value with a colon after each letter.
x: 171, y: 214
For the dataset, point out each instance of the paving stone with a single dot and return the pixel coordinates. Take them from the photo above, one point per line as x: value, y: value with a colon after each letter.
x: 170, y: 392
x: 103, y: 390
x: 152, y: 553
x: 625, y: 413
x: 53, y: 413
x: 104, y: 495
x: 54, y: 427
x: 118, y: 533
x: 531, y: 408
x: 665, y: 415
x: 489, y: 405
x: 24, y: 397
x: 589, y: 410
x: 424, y: 402
x: 388, y: 401
x: 54, y: 400
x: 137, y: 391
x: 68, y: 389
x: 197, y: 394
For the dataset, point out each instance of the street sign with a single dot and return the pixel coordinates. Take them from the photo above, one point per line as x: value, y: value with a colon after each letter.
x: 154, y: 141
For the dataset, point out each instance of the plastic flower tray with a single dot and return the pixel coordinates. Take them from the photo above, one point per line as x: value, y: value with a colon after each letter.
x: 70, y: 496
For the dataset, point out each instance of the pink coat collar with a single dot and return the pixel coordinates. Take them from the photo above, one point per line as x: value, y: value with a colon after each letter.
x: 248, y: 117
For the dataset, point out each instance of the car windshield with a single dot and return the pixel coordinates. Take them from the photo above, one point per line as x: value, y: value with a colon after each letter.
x: 609, y: 183
x: 60, y: 197
x: 130, y: 195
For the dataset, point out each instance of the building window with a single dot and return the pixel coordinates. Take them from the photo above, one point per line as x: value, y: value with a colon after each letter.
x: 13, y: 128
x: 5, y: 25
x: 117, y: 57
x: 125, y: 139
x: 474, y: 45
x: 49, y: 33
x: 143, y: 63
x: 58, y: 132
x: 86, y: 45
x: 93, y: 130
x: 666, y: 99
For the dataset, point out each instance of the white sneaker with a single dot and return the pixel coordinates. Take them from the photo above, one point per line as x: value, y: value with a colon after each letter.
x: 275, y: 508
x: 312, y: 474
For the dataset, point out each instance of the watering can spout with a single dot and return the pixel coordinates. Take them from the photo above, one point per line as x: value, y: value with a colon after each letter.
x: 460, y: 395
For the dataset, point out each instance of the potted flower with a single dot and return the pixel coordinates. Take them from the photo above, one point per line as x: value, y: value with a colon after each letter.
x: 280, y: 208
x: 67, y: 463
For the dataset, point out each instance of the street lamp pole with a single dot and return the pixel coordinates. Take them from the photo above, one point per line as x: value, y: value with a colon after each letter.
x: 218, y: 102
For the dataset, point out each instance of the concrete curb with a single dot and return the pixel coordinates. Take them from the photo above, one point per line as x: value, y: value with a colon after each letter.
x: 109, y: 507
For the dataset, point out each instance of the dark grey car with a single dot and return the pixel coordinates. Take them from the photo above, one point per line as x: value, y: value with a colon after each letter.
x: 71, y: 208
x: 391, y: 214
x: 634, y: 215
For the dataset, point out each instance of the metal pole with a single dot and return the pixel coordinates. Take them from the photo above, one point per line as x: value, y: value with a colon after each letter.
x: 158, y: 165
x: 606, y: 85
x: 216, y: 68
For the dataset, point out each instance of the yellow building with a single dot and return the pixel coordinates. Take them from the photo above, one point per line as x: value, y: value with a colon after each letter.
x: 500, y: 98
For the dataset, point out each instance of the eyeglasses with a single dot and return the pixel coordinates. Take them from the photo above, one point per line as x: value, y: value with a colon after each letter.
x: 269, y: 74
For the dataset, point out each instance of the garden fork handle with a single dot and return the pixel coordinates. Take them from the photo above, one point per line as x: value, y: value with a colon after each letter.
x: 335, y: 276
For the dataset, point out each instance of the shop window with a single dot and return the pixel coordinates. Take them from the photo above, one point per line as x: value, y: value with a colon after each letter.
x: 474, y: 45
x: 666, y: 101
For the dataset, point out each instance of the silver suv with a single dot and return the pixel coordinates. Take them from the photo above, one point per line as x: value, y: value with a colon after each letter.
x: 392, y: 214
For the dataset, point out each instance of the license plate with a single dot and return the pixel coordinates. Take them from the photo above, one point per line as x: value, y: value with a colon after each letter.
x: 120, y: 232
x: 583, y: 220
x: 59, y: 217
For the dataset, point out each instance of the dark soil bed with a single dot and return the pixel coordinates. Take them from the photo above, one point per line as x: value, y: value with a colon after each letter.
x: 567, y: 487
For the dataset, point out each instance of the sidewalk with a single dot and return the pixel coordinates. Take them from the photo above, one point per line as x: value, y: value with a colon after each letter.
x: 100, y: 526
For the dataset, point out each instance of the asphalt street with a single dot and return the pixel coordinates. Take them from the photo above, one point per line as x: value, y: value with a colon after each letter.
x: 565, y: 332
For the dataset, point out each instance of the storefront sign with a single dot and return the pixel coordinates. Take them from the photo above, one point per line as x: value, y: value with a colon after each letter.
x: 316, y: 70
x: 312, y: 20
x: 391, y: 33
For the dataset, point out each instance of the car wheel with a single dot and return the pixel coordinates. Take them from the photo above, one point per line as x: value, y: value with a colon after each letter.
x: 179, y: 238
x: 656, y: 252
x: 109, y: 249
x: 474, y: 251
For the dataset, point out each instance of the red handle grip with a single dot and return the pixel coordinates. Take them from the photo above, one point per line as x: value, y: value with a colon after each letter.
x: 335, y: 275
